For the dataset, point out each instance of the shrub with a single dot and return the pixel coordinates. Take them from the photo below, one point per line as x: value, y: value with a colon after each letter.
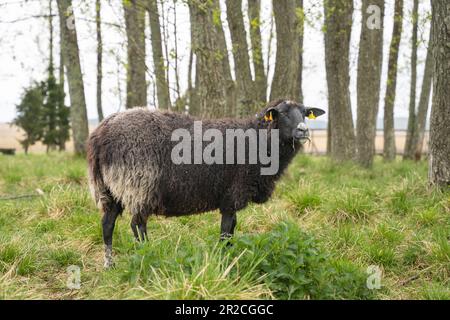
x: 296, y: 267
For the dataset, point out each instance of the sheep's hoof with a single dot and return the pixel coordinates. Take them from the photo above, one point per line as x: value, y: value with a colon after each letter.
x: 226, y: 239
x: 109, y: 263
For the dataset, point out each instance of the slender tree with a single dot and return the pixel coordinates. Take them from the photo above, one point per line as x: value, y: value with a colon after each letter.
x: 284, y: 82
x: 51, y: 45
x: 135, y: 28
x: 389, y: 149
x: 162, y: 86
x: 424, y: 101
x: 175, y: 53
x: 54, y: 113
x: 80, y: 130
x: 370, y: 60
x: 98, y: 20
x: 194, y: 104
x: 222, y: 57
x: 256, y: 49
x: 408, y: 149
x: 338, y: 26
x: 300, y: 15
x: 244, y: 84
x: 257, y: 53
x: 439, y: 173
x: 61, y: 54
x: 49, y: 121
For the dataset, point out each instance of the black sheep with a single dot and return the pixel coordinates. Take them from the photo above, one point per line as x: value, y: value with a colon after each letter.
x: 130, y: 165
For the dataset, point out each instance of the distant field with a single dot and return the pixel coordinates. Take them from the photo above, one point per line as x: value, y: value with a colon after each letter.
x: 10, y: 136
x: 317, y: 238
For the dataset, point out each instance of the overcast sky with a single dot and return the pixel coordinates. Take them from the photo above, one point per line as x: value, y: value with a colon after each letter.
x: 24, y: 51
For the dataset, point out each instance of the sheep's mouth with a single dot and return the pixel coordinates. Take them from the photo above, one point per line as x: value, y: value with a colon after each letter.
x: 303, y: 140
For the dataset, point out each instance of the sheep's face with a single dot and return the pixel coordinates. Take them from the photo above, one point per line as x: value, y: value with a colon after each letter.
x: 289, y: 117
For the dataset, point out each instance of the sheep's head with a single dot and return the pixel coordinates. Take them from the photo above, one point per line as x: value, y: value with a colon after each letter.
x: 289, y: 117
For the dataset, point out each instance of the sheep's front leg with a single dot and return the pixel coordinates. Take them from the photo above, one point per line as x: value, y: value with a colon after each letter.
x: 228, y: 224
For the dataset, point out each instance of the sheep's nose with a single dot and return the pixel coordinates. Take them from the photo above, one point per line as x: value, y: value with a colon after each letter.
x: 302, y: 126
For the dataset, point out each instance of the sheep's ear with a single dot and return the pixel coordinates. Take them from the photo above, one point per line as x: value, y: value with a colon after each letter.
x: 271, y: 114
x: 313, y: 113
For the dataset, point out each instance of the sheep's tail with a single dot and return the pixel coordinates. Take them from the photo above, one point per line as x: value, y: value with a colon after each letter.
x: 96, y: 183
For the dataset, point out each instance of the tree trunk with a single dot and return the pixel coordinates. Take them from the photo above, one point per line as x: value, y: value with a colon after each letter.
x: 409, y: 150
x: 211, y: 84
x: 222, y: 51
x: 440, y: 110
x: 244, y: 84
x: 98, y: 20
x: 389, y: 149
x: 194, y: 104
x: 328, y: 139
x: 136, y: 68
x: 78, y: 114
x: 338, y: 25
x: 175, y: 52
x: 61, y: 54
x: 50, y: 24
x: 370, y: 60
x: 162, y: 87
x: 284, y: 83
x: 301, y: 24
x: 424, y: 102
x: 257, y: 57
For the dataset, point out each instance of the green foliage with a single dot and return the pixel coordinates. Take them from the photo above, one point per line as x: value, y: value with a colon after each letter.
x: 55, y: 116
x: 296, y: 267
x: 29, y: 114
x: 43, y: 115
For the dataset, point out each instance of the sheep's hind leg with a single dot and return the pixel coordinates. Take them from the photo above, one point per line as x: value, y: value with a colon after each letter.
x: 227, y: 226
x: 139, y: 227
x: 111, y: 211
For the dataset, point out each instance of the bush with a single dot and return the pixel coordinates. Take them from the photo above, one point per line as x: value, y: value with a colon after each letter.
x: 296, y: 267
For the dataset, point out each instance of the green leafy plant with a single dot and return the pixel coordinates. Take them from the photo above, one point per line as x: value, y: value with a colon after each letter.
x: 296, y: 267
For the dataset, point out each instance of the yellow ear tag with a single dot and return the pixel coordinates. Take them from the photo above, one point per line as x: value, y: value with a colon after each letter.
x: 269, y: 117
x: 311, y: 116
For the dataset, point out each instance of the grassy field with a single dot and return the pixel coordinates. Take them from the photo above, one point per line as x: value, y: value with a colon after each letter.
x: 325, y: 225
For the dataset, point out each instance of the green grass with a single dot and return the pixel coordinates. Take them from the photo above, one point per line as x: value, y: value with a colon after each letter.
x: 315, y: 239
